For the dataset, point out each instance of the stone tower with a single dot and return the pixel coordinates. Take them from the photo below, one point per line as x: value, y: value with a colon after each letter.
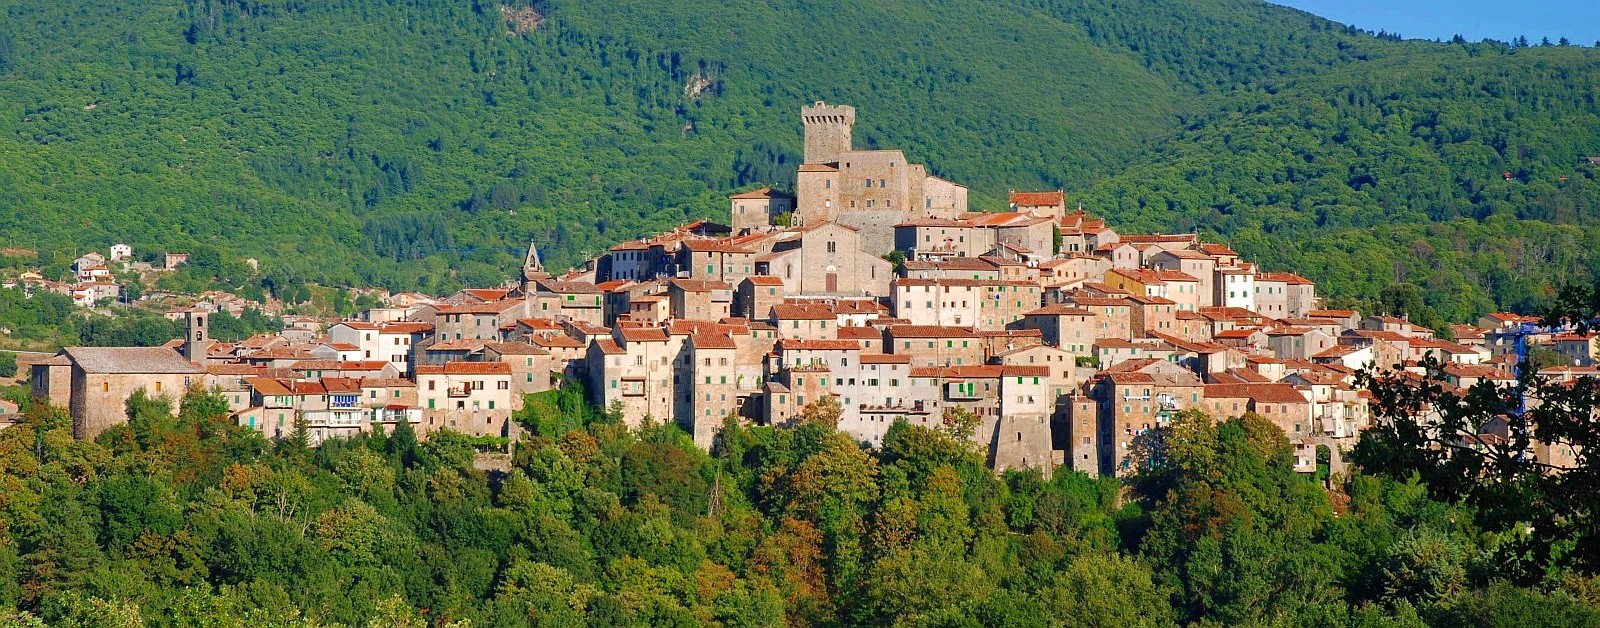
x: 827, y: 131
x: 532, y: 268
x: 196, y: 336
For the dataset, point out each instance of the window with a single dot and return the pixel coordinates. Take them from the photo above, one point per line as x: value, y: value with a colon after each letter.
x: 833, y: 247
x: 869, y: 183
x: 506, y: 385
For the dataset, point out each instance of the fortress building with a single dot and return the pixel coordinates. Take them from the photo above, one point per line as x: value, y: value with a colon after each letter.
x: 868, y: 190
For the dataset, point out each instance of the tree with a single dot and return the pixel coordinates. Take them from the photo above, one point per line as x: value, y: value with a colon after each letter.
x: 1472, y: 446
x: 8, y: 364
x: 823, y: 412
x: 1102, y: 591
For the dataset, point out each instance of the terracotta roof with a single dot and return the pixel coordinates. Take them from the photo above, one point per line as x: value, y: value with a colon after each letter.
x: 794, y: 344
x: 858, y: 333
x: 1038, y: 199
x: 1260, y: 393
x: 487, y: 294
x: 761, y: 193
x: 885, y: 358
x: 930, y: 331
x: 987, y: 371
x: 714, y: 246
x: 712, y: 341
x: 567, y: 287
x: 554, y: 341
x: 817, y: 168
x: 1158, y: 238
x: 130, y: 360
x: 1060, y: 309
x: 952, y: 263
x: 356, y: 324
x: 515, y: 348
x: 642, y: 334
x: 607, y: 345
x: 491, y: 307
x: 336, y: 365
x: 1331, y: 313
x: 789, y: 311
x: 764, y: 280
x: 700, y: 285
x: 405, y: 327
x: 1289, y: 278
x: 935, y: 222
x: 465, y: 368
x: 1186, y: 254
x: 465, y: 344
x: 230, y: 369
x: 269, y: 386
x: 1148, y: 276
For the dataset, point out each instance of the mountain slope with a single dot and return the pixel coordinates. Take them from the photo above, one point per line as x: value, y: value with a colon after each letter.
x: 1459, y: 168
x: 419, y: 144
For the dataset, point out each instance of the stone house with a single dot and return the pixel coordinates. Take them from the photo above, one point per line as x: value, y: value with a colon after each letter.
x: 1052, y: 205
x: 975, y: 268
x: 1113, y: 316
x: 1182, y: 288
x: 712, y: 390
x: 1299, y: 343
x: 99, y: 381
x: 923, y: 238
x: 714, y: 260
x: 470, y: 397
x: 1194, y: 264
x: 565, y: 300
x: 634, y: 366
x: 935, y: 346
x: 947, y: 302
x: 826, y: 259
x: 1013, y: 405
x: 700, y: 299
x: 1235, y: 288
x: 1152, y: 314
x: 805, y: 321
x: 755, y: 210
x: 756, y: 295
x: 1074, y: 329
x: 1129, y: 405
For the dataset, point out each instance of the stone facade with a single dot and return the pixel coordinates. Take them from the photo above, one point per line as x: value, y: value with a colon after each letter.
x: 101, y: 379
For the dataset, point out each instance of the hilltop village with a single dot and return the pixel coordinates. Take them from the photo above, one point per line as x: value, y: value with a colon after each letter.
x: 872, y: 294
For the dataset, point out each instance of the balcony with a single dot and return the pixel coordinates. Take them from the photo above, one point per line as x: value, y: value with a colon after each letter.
x: 395, y: 414
x: 462, y: 390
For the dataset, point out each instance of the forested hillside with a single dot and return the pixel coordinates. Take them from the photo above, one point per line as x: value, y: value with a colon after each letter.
x: 419, y: 144
x: 196, y: 521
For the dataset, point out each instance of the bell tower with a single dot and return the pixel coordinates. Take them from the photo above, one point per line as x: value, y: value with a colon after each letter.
x: 196, y: 336
x: 532, y: 267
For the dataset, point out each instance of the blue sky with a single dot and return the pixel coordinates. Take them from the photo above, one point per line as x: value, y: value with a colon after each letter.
x: 1578, y: 20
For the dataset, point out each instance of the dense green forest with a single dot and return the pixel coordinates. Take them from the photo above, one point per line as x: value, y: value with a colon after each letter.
x: 419, y: 144
x: 190, y: 520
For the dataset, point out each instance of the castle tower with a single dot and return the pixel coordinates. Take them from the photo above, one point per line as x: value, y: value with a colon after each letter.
x: 196, y: 336
x: 827, y: 131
